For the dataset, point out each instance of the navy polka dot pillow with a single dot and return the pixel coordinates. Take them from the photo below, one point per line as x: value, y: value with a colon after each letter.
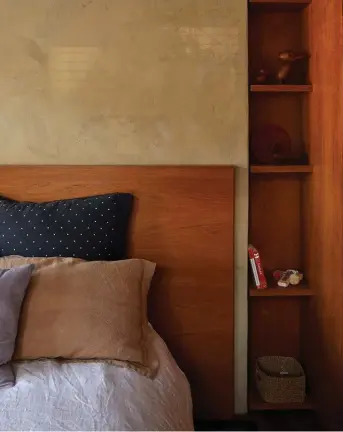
x: 92, y: 228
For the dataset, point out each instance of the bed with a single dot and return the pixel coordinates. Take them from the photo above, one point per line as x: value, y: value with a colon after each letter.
x: 77, y: 396
x: 183, y: 221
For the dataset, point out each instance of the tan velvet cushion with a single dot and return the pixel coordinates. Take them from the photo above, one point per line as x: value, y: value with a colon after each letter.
x: 76, y: 309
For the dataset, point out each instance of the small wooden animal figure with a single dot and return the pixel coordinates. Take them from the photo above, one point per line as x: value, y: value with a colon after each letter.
x: 287, y: 58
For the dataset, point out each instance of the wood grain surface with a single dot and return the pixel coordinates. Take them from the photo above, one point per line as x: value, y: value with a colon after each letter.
x: 281, y: 169
x: 323, y: 336
x: 281, y: 2
x: 301, y: 290
x: 278, y: 5
x: 281, y: 88
x: 183, y: 221
x: 275, y: 221
x: 274, y: 328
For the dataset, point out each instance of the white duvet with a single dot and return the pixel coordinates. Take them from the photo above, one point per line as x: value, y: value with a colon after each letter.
x: 99, y: 397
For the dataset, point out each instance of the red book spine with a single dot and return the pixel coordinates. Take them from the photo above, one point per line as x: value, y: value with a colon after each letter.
x: 257, y: 269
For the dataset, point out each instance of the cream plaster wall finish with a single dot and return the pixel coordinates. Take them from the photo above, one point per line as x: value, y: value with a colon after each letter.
x: 130, y: 82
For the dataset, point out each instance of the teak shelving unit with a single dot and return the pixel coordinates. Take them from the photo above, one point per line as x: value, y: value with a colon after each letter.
x: 277, y: 192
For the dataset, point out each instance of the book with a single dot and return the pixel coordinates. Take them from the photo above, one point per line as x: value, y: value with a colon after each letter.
x: 256, y: 268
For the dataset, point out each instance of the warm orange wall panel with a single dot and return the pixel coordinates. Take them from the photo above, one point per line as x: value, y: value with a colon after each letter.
x: 323, y: 337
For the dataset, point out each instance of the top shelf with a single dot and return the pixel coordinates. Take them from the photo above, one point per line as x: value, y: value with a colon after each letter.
x: 281, y: 169
x: 281, y: 88
x: 281, y: 5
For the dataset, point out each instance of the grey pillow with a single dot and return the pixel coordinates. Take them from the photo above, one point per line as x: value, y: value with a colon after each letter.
x: 13, y: 284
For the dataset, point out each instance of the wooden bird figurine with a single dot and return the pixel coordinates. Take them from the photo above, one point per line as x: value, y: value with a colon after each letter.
x: 288, y: 58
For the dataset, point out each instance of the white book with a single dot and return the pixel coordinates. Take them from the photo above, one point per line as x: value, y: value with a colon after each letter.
x: 254, y: 271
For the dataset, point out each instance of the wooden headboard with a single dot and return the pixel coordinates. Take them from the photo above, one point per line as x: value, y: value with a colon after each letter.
x: 183, y: 221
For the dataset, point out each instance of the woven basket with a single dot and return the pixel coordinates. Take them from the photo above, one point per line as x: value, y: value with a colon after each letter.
x: 280, y: 379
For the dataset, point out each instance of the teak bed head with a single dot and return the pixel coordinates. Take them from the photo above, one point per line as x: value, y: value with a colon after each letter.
x: 183, y: 221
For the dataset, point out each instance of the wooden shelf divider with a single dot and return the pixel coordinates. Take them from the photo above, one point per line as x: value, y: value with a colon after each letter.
x: 281, y: 169
x: 256, y: 403
x: 307, y: 2
x: 281, y: 88
x: 277, y: 5
x: 296, y: 291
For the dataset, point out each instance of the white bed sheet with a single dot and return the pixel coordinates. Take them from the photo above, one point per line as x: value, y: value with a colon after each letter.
x: 96, y: 396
